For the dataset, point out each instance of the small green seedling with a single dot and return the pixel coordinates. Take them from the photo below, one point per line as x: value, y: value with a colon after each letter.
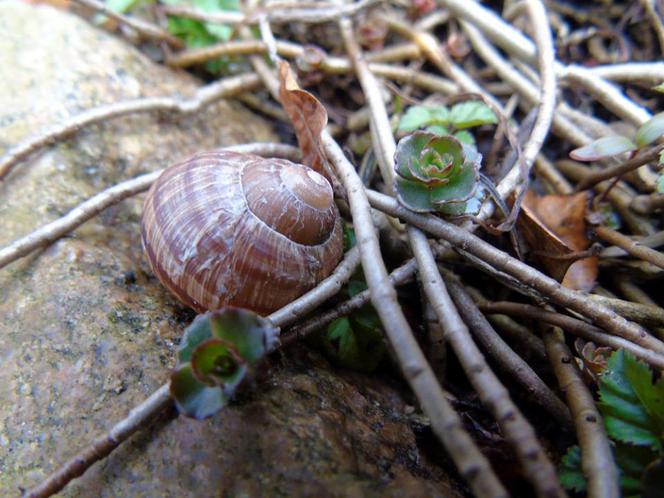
x: 437, y: 173
x: 216, y: 354
x: 606, y: 147
x: 442, y: 120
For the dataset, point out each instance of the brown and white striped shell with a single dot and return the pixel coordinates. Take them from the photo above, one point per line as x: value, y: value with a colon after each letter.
x: 230, y: 228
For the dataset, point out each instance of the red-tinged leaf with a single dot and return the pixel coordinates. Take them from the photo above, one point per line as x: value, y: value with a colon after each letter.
x: 308, y: 116
x: 555, y: 226
x: 594, y: 358
x: 603, y: 148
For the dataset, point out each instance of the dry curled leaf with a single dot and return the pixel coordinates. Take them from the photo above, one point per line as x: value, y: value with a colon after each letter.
x: 593, y: 359
x: 554, y: 227
x: 308, y: 116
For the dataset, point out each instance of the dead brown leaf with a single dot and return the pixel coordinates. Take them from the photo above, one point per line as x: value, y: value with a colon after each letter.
x: 554, y: 226
x: 308, y: 116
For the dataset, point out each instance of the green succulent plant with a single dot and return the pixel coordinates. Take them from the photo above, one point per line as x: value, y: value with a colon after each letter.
x: 437, y: 173
x: 216, y: 354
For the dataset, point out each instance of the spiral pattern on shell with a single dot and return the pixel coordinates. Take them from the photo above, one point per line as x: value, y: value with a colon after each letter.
x: 229, y: 228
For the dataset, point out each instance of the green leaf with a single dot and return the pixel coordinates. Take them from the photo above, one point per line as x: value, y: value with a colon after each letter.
x: 355, y: 287
x: 251, y: 335
x: 437, y: 129
x: 570, y: 474
x: 433, y: 171
x: 349, y: 236
x: 198, y: 331
x: 216, y: 363
x: 198, y: 34
x: 220, y: 31
x: 121, y: 5
x: 603, y: 148
x: 193, y: 398
x: 355, y: 341
x: 416, y: 117
x: 659, y: 88
x: 625, y: 416
x: 632, y: 462
x: 660, y: 184
x: 460, y: 187
x: 651, y: 396
x: 420, y: 116
x: 414, y: 195
x: 651, y: 130
x: 215, y: 354
x: 408, y: 150
x: 471, y: 113
x: 465, y: 137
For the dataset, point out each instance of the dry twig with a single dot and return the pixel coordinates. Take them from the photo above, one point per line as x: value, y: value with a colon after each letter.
x: 529, y: 276
x: 595, y: 177
x: 534, y: 461
x: 493, y: 394
x: 502, y: 354
x: 143, y: 28
x: 314, y: 15
x: 597, y: 460
x: 631, y: 246
x: 203, y: 97
x: 575, y: 327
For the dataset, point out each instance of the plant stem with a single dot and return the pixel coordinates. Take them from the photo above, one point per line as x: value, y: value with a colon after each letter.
x: 203, y: 97
x: 631, y: 246
x: 527, y: 275
x: 597, y: 460
x: 503, y: 355
x: 575, y: 327
x: 535, y: 463
x: 595, y: 177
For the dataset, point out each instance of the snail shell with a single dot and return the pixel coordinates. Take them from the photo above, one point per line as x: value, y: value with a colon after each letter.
x: 230, y: 228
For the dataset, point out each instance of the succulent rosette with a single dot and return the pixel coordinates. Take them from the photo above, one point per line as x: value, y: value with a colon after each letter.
x: 436, y: 173
x: 216, y: 354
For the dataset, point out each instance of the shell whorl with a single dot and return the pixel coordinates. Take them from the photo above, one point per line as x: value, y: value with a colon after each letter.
x: 230, y: 228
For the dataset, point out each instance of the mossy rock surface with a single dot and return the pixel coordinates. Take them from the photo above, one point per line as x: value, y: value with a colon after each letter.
x: 86, y: 331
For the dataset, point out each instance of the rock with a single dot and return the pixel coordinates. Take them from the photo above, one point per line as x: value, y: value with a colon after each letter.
x: 87, y: 332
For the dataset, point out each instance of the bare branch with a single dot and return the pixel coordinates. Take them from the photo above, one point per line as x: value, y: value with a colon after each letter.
x: 527, y: 275
x: 203, y: 97
x: 595, y: 177
x: 631, y: 246
x: 597, y: 460
x: 314, y: 15
x: 575, y: 327
x: 502, y: 354
x: 143, y: 28
x: 534, y: 461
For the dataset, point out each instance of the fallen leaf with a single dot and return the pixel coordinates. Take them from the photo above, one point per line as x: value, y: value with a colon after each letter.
x: 309, y: 119
x: 554, y: 226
